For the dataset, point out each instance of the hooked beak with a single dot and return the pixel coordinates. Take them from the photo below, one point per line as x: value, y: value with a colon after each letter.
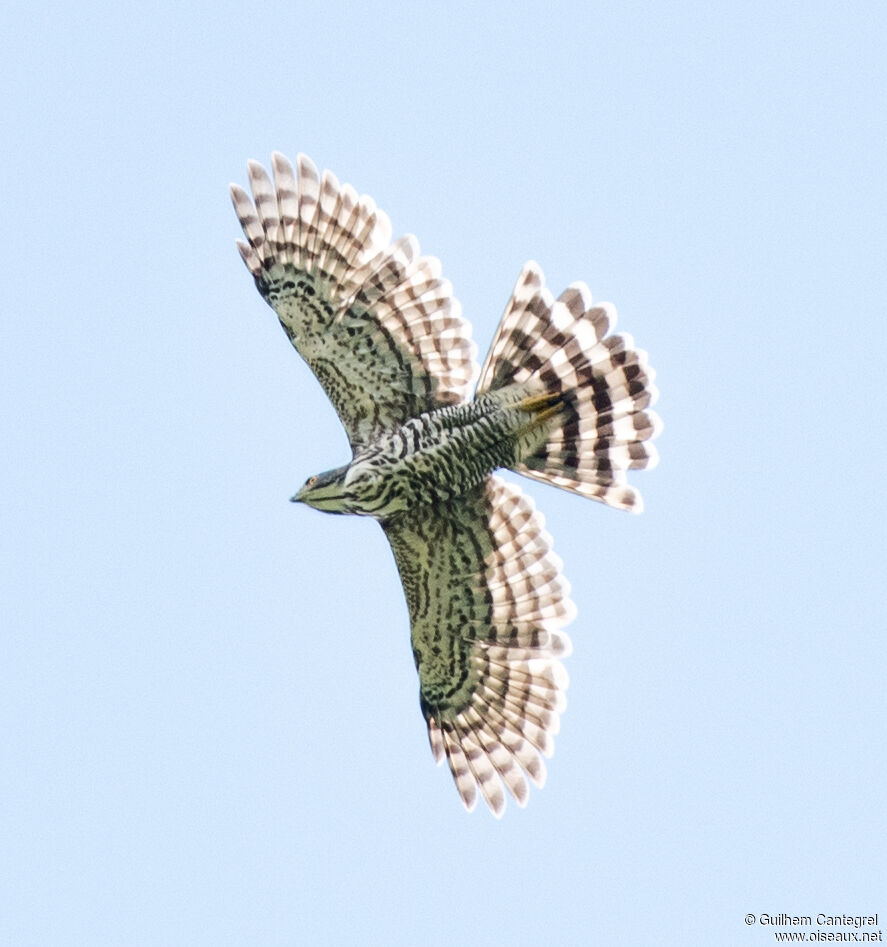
x: 323, y: 491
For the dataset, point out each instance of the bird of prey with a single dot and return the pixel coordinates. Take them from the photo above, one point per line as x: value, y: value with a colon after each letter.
x: 559, y: 399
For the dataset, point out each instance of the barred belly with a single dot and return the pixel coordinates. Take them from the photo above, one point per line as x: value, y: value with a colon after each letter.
x: 437, y: 456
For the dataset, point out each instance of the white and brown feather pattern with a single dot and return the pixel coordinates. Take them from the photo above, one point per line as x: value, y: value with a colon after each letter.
x: 487, y: 603
x: 562, y: 347
x: 376, y: 323
x: 560, y: 399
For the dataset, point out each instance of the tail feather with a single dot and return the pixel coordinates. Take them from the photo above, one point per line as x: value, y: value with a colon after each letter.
x: 593, y: 390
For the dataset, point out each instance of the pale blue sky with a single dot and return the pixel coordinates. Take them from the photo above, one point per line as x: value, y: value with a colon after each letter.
x: 209, y: 724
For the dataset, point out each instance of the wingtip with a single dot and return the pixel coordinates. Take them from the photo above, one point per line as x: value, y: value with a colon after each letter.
x: 238, y: 195
x: 254, y: 167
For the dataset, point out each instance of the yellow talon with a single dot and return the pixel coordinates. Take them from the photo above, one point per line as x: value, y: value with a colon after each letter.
x: 545, y: 401
x: 542, y: 407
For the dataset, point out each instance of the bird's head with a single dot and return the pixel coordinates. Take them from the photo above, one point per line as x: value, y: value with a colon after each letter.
x: 325, y: 491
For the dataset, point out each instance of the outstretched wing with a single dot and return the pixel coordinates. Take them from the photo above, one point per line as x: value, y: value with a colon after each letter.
x: 375, y: 322
x: 486, y: 600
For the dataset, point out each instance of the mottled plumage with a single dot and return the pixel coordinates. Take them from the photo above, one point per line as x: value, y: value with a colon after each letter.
x: 558, y: 400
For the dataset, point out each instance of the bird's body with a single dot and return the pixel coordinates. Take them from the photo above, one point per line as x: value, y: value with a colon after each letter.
x: 433, y: 458
x: 559, y: 399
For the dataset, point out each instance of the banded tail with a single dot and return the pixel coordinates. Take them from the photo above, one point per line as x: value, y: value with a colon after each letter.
x: 594, y: 389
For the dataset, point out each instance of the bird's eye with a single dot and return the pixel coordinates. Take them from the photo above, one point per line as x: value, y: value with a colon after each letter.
x: 312, y: 481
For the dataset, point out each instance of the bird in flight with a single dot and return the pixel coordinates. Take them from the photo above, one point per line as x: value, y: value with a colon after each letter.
x: 559, y: 399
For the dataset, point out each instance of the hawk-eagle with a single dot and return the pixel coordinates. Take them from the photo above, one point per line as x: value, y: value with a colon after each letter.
x: 558, y: 399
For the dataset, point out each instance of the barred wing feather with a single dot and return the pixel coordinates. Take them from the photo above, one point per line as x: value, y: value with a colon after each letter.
x: 487, y: 601
x: 375, y: 322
